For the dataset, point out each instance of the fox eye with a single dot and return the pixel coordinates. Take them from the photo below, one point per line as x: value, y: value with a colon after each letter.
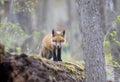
x: 54, y: 41
x: 61, y: 40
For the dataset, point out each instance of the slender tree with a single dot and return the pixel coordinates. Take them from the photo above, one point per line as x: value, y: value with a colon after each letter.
x: 92, y: 40
x: 110, y: 16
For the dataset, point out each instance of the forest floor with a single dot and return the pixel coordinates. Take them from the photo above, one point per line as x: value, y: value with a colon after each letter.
x: 24, y: 68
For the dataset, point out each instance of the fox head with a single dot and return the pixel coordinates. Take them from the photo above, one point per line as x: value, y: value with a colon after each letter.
x: 58, y: 38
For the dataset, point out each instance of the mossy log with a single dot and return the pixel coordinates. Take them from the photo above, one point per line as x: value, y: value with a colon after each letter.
x: 24, y: 68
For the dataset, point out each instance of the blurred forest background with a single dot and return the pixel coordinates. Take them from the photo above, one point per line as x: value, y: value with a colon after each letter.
x: 23, y: 24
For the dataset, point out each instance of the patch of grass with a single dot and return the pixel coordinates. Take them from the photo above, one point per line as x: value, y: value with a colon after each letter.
x: 66, y: 57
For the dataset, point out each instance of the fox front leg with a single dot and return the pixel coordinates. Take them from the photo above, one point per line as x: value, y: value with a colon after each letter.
x: 2, y: 53
x: 54, y: 55
x: 59, y: 54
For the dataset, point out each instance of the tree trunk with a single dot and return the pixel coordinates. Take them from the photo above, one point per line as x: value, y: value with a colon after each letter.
x: 92, y: 41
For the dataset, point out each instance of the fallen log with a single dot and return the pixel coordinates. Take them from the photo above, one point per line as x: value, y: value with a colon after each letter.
x: 24, y: 68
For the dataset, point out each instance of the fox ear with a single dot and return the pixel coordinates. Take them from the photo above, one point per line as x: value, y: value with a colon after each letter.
x: 63, y: 32
x: 53, y: 32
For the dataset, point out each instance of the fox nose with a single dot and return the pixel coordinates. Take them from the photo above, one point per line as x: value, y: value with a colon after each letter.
x: 58, y: 45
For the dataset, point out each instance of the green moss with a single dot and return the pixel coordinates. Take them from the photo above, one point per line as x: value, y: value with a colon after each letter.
x: 73, y: 71
x: 38, y: 57
x: 71, y: 68
x: 83, y: 74
x: 51, y: 78
x: 56, y: 68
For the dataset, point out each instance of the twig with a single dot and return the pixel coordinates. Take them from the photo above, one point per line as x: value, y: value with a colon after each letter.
x: 118, y: 66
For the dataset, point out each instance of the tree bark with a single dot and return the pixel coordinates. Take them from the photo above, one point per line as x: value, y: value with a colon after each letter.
x: 92, y: 41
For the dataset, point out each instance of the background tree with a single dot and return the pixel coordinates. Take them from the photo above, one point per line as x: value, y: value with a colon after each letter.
x: 111, y: 31
x: 109, y: 18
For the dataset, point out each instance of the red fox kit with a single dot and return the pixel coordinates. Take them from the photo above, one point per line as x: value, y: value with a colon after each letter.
x: 52, y: 44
